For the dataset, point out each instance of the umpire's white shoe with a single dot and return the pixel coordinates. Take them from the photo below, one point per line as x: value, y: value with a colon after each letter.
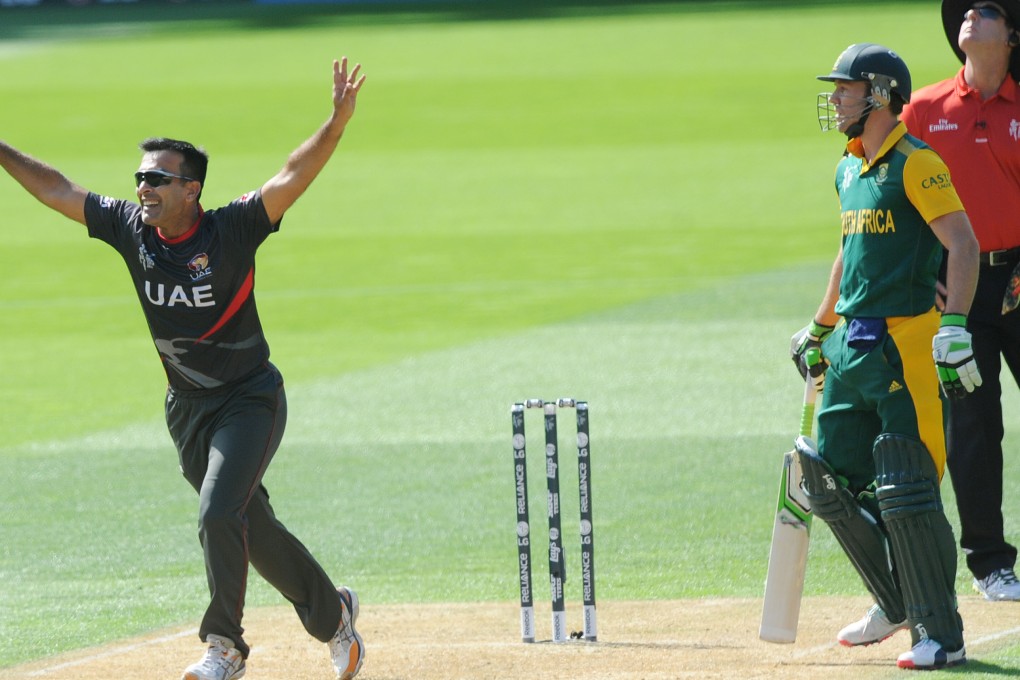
x: 1001, y: 585
x: 221, y: 662
x: 928, y: 655
x: 874, y: 627
x: 347, y: 647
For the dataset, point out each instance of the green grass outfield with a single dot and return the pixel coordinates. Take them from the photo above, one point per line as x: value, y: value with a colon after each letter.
x: 630, y: 204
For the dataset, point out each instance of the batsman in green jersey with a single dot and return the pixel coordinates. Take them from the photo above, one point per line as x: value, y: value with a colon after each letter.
x: 874, y: 478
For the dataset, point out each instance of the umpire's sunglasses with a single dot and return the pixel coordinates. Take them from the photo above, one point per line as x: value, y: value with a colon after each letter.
x: 989, y: 12
x: 158, y: 178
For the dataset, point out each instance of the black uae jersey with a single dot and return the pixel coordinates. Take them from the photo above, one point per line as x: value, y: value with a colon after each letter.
x: 197, y: 291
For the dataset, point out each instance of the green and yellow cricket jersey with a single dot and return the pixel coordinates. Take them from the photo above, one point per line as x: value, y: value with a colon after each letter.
x: 891, y: 256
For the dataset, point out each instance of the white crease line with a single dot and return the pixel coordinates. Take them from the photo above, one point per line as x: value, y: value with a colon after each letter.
x: 995, y: 636
x: 112, y: 652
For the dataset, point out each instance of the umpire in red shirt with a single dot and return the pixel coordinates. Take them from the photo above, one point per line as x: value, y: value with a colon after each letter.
x: 973, y: 121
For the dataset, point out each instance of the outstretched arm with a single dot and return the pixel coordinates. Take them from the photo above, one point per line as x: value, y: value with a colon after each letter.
x: 44, y: 182
x: 305, y: 163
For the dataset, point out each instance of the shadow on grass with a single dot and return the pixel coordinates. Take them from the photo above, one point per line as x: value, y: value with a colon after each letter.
x: 63, y: 21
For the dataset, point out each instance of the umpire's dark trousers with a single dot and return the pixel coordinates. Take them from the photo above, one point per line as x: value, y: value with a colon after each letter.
x: 975, y: 431
x: 226, y: 438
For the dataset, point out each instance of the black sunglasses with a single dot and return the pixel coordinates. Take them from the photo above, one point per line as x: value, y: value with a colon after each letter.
x: 158, y: 178
x: 987, y: 12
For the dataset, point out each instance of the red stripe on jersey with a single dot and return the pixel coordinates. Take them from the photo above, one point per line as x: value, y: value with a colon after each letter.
x: 235, y: 304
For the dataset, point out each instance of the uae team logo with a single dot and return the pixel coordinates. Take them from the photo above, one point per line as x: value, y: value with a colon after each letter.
x: 199, y: 266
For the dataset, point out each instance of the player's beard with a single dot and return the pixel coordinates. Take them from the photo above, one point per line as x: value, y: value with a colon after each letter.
x: 844, y: 121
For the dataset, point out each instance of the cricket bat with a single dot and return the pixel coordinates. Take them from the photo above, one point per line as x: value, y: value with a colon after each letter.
x: 784, y: 584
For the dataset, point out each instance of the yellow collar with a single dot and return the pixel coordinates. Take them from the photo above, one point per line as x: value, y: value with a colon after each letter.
x: 856, y: 146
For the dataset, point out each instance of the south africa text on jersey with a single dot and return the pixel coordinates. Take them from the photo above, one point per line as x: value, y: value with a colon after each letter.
x: 868, y: 221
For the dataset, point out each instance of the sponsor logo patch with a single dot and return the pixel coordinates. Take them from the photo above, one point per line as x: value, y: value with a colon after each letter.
x: 199, y: 266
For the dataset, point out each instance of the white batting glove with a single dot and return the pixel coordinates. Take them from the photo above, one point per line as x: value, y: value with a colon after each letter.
x: 954, y: 357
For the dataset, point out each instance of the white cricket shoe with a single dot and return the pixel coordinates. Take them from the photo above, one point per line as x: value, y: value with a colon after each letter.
x: 928, y: 655
x: 347, y: 648
x: 1001, y: 585
x: 221, y: 662
x: 874, y: 627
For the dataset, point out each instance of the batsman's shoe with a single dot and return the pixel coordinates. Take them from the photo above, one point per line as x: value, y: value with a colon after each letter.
x: 928, y: 655
x: 347, y: 647
x: 221, y: 662
x: 874, y: 627
x: 1001, y: 585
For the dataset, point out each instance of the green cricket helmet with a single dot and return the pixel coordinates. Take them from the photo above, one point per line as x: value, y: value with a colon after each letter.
x: 875, y: 64
x: 884, y: 71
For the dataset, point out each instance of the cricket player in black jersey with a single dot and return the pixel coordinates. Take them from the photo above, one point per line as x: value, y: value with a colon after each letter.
x: 194, y: 273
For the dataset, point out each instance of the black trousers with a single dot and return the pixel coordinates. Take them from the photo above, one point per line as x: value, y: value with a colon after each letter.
x: 226, y: 438
x: 975, y: 430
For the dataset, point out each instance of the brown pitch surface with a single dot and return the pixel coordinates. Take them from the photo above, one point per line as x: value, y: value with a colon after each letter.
x: 712, y: 638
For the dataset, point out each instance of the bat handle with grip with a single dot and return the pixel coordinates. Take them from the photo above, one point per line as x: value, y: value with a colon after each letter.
x: 811, y: 384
